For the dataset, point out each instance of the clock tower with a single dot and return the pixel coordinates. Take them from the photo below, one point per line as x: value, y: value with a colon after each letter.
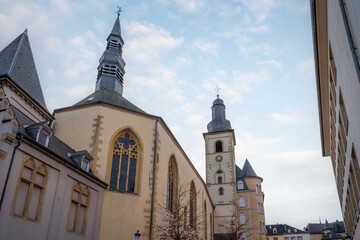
x: 220, y: 166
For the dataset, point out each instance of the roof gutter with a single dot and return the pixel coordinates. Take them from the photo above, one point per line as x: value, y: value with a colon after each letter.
x: 153, y: 181
x: 317, y: 71
x: 9, y: 170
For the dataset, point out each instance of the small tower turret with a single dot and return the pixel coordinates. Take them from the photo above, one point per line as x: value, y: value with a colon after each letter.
x: 111, y: 67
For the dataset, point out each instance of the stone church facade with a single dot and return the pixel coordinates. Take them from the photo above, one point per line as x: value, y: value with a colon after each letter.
x: 104, y: 169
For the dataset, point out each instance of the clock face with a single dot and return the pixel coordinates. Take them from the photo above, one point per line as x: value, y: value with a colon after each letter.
x: 218, y: 158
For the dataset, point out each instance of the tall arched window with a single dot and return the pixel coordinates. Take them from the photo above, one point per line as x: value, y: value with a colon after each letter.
x: 218, y: 146
x: 172, y: 184
x: 192, y: 210
x: 205, y: 220
x: 125, y: 162
x: 221, y: 191
x: 241, y: 202
x: 219, y: 176
x: 31, y: 190
x: 242, y: 218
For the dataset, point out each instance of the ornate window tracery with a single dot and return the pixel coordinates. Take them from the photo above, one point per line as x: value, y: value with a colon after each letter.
x: 172, y: 190
x: 125, y: 161
x: 80, y: 198
x: 30, y: 190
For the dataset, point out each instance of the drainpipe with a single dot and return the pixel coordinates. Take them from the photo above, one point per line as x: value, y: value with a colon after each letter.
x: 8, y: 173
x: 153, y: 181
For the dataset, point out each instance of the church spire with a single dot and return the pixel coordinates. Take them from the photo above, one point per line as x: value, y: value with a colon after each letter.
x: 111, y: 67
x: 219, y: 121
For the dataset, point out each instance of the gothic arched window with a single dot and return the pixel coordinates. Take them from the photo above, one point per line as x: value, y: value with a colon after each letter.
x: 192, y: 210
x: 221, y: 191
x: 205, y: 220
x: 172, y: 184
x: 220, y: 180
x: 218, y: 146
x: 125, y: 162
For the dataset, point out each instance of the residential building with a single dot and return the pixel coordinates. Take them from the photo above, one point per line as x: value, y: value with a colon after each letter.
x: 285, y: 232
x: 316, y: 230
x: 336, y: 35
x: 47, y: 189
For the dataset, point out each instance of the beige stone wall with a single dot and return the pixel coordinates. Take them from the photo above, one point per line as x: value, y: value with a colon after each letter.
x: 253, y: 216
x: 224, y: 204
x: 95, y: 128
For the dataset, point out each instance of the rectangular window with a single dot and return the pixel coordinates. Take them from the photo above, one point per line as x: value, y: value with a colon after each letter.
x: 30, y: 190
x: 299, y: 238
x: 79, y: 203
x: 286, y: 238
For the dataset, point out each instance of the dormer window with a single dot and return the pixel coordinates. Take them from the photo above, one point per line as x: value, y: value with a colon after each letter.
x: 40, y: 132
x: 85, y: 164
x: 82, y: 159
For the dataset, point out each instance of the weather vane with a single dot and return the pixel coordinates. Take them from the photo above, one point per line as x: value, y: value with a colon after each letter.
x: 217, y: 90
x: 119, y: 11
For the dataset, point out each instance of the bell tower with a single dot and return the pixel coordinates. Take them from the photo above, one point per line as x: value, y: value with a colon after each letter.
x: 220, y: 166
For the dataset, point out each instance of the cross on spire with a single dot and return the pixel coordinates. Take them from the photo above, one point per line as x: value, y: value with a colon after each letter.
x: 217, y: 90
x: 119, y: 10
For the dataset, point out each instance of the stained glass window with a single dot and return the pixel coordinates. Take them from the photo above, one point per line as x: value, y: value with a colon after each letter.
x: 124, y: 163
x: 192, y: 209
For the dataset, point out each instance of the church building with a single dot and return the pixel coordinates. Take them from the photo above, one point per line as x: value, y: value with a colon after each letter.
x: 105, y: 169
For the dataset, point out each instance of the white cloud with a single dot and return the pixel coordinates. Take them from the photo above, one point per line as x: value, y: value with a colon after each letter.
x: 273, y: 62
x: 259, y: 29
x: 183, y: 61
x: 287, y: 118
x: 148, y: 41
x: 190, y: 6
x: 206, y: 47
x: 261, y: 8
x: 307, y: 65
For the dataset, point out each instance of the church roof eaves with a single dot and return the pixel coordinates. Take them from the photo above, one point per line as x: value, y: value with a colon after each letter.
x: 56, y: 147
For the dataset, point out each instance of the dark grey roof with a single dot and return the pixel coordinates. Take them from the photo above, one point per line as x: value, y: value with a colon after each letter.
x: 55, y: 146
x: 337, y: 227
x: 17, y: 62
x: 239, y: 173
x: 116, y: 30
x: 282, y: 229
x: 108, y: 97
x: 219, y: 121
x: 249, y: 171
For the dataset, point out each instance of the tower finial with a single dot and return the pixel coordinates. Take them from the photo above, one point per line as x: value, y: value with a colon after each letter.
x: 217, y: 90
x: 119, y: 10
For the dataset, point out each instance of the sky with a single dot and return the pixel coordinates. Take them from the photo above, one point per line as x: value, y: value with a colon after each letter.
x: 258, y: 52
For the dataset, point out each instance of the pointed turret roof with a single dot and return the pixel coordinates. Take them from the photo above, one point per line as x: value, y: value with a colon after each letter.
x: 17, y: 62
x: 116, y: 30
x: 249, y: 171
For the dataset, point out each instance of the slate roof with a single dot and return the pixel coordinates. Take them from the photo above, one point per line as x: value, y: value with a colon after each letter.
x: 17, y: 62
x: 220, y: 237
x: 317, y: 228
x: 249, y: 171
x: 282, y: 229
x: 219, y: 121
x: 239, y: 173
x: 108, y: 97
x: 55, y: 146
x: 116, y: 31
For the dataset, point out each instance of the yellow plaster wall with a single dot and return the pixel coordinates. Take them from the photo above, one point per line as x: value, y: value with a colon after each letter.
x: 124, y: 213
x: 252, y: 216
